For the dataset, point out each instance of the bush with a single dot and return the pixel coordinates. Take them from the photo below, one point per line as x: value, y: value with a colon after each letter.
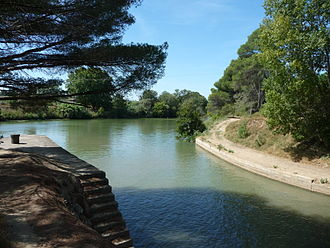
x: 260, y: 140
x: 243, y: 131
x: 71, y: 111
x: 189, y: 124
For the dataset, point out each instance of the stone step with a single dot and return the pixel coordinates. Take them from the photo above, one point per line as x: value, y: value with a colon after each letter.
x: 108, y: 225
x: 94, y: 182
x: 106, y: 206
x: 83, y: 175
x: 105, y: 216
x: 97, y: 190
x: 111, y: 235
x: 122, y: 243
x: 108, y: 197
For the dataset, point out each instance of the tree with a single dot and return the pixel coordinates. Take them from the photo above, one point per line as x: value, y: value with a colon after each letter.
x: 119, y: 107
x: 91, y: 79
x: 58, y: 36
x: 195, y: 101
x: 189, y: 123
x: 148, y: 100
x: 171, y: 101
x: 161, y: 110
x: 296, y: 43
x: 242, y: 82
x: 217, y: 99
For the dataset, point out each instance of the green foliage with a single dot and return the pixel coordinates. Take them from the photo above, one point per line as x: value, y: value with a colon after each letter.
x: 148, y: 100
x: 195, y: 101
x: 167, y: 104
x: 119, y: 107
x: 91, y: 80
x: 260, y: 140
x: 161, y: 110
x: 171, y: 101
x: 295, y: 43
x: 217, y: 100
x: 324, y: 180
x: 60, y: 36
x: 242, y: 81
x: 135, y: 109
x: 243, y: 131
x: 189, y: 123
x: 71, y: 111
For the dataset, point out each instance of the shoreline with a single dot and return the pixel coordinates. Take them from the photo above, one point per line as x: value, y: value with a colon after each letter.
x: 301, y: 175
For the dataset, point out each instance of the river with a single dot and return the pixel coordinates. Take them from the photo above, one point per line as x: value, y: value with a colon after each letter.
x: 173, y: 194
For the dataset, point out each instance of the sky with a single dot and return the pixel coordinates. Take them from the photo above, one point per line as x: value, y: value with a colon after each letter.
x: 203, y: 37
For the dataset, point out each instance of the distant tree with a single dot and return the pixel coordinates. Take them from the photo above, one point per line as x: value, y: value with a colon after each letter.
x: 119, y: 107
x: 218, y: 99
x: 161, y: 109
x: 171, y: 101
x: 60, y: 36
x: 296, y: 48
x: 148, y: 100
x: 36, y: 86
x: 136, y: 109
x: 91, y: 79
x: 195, y: 101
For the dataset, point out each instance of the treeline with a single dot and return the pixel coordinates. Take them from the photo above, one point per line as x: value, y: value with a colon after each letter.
x: 149, y: 105
x: 283, y: 72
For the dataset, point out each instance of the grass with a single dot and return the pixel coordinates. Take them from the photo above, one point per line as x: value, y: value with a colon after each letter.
x: 221, y: 147
x: 253, y: 132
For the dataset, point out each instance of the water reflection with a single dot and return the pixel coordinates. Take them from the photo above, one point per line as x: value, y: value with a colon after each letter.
x: 210, y: 218
x: 174, y: 194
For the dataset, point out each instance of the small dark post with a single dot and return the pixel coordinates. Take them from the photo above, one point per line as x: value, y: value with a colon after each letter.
x: 14, y: 138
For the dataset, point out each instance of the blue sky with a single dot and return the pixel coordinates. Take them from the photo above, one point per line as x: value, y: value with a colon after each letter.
x: 203, y: 37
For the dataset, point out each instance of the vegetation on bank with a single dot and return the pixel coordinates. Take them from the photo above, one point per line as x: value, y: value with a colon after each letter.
x: 150, y: 104
x: 254, y: 132
x: 282, y: 72
x: 189, y: 123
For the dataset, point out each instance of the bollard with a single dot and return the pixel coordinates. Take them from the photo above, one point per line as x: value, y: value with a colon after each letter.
x: 14, y: 138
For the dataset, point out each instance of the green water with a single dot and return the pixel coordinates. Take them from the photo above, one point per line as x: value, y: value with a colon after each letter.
x: 174, y: 194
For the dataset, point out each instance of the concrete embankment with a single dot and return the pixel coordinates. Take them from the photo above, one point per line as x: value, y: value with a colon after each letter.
x: 283, y: 170
x: 79, y: 188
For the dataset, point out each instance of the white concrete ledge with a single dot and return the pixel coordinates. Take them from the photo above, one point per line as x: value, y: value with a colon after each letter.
x: 298, y: 180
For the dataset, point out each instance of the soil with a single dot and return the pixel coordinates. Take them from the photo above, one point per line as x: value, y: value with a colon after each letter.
x: 41, y: 206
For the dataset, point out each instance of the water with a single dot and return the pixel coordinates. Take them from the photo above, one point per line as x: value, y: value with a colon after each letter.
x: 173, y: 194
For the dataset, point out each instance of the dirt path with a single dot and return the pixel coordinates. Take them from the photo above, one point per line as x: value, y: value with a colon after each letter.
x: 308, y: 176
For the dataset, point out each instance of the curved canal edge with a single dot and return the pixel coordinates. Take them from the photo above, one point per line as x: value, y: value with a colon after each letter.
x: 297, y: 178
x: 99, y: 207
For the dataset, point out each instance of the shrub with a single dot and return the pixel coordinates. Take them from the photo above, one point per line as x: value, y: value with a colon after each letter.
x: 189, y: 124
x: 260, y: 140
x: 243, y: 131
x: 71, y: 111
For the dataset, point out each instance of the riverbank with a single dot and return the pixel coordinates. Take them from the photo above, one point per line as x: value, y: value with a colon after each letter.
x: 312, y: 177
x: 50, y: 198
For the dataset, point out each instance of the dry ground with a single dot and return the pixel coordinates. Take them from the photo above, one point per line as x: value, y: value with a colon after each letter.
x: 37, y: 202
x: 305, y: 167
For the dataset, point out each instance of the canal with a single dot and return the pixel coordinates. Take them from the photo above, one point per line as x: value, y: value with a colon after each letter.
x: 173, y: 194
